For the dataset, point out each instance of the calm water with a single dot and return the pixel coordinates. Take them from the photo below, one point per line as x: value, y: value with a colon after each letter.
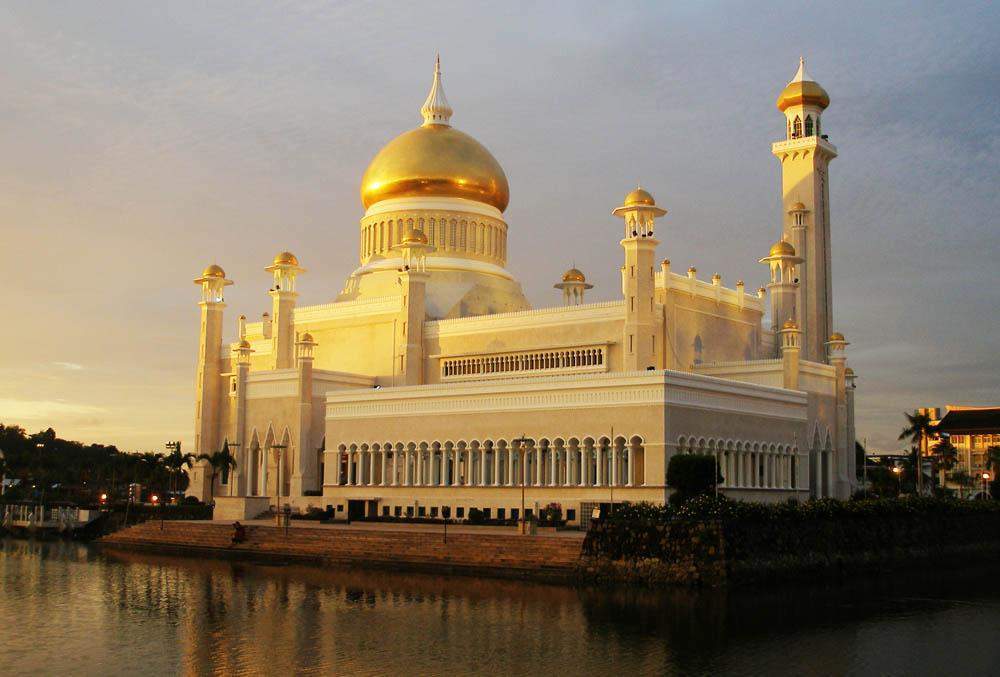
x: 71, y: 609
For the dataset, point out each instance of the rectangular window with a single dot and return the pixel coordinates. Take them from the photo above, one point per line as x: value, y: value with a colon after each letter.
x: 446, y: 511
x: 398, y: 511
x: 422, y: 511
x: 459, y: 513
x: 434, y: 511
x: 409, y: 511
x: 528, y: 513
x: 630, y: 350
x: 385, y: 511
x: 486, y: 513
x: 501, y: 513
x: 514, y: 513
x: 570, y: 515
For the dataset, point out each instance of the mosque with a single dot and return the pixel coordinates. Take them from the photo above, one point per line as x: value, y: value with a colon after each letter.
x: 429, y: 386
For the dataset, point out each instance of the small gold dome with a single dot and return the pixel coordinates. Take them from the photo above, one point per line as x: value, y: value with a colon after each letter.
x: 790, y: 324
x: 797, y: 207
x: 782, y: 248
x: 307, y: 338
x: 435, y: 160
x: 213, y: 271
x: 849, y: 372
x: 805, y: 93
x: 244, y: 344
x: 574, y: 275
x: 639, y: 197
x: 836, y: 336
x: 286, y: 259
x: 414, y: 236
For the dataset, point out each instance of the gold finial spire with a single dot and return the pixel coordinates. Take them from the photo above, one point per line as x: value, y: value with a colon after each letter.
x: 436, y: 110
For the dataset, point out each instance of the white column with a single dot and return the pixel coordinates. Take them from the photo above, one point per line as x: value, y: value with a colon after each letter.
x: 539, y: 466
x: 420, y: 467
x: 350, y: 466
x: 552, y: 466
x: 407, y: 475
x: 630, y: 477
x: 371, y: 467
x: 336, y: 474
x: 382, y: 460
x: 598, y: 454
x: 615, y: 458
x: 510, y: 466
x: 395, y: 467
x: 496, y: 466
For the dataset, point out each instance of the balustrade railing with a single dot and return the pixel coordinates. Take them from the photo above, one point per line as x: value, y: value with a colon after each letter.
x: 576, y: 359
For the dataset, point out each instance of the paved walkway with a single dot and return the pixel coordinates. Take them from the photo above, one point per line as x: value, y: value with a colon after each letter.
x: 408, y: 528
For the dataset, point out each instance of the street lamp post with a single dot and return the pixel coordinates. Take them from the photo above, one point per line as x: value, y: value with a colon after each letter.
x: 898, y: 472
x: 986, y: 479
x: 522, y: 444
x: 278, y: 481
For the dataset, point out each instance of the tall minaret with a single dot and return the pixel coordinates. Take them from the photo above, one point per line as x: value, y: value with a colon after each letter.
x: 805, y: 155
x: 639, y: 211
x: 285, y: 269
x: 209, y: 384
x: 408, y: 342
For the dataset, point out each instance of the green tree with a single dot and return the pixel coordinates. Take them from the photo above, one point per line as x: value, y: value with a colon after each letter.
x: 690, y: 475
x: 917, y: 431
x: 221, y: 462
x: 945, y: 458
x: 963, y: 479
x: 993, y: 460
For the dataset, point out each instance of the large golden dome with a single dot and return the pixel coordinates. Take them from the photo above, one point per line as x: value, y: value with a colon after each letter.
x: 435, y: 160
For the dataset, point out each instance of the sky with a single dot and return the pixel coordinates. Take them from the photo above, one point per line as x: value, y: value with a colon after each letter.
x: 140, y: 142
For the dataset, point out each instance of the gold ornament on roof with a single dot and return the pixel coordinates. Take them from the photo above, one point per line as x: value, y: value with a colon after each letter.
x: 286, y: 259
x: 574, y: 275
x: 782, y: 248
x: 414, y: 236
x: 802, y: 91
x: 790, y: 324
x: 836, y: 336
x: 213, y: 271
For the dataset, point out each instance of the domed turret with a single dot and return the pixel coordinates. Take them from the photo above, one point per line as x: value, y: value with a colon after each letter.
x: 573, y: 286
x: 213, y: 271
x: 802, y: 90
x: 286, y: 259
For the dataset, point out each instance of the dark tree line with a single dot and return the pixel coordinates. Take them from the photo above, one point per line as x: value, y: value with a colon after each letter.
x: 52, y: 468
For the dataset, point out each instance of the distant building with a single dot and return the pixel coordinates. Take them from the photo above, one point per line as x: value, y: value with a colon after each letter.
x: 972, y: 430
x: 429, y: 386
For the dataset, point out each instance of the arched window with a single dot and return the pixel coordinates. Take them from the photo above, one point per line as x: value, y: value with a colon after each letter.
x: 697, y: 349
x: 809, y: 125
x: 796, y: 127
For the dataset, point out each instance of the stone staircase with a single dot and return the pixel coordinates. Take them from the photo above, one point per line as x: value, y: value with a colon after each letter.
x: 491, y: 554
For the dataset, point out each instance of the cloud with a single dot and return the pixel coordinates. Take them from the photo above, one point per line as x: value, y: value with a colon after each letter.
x: 69, y: 366
x: 44, y: 410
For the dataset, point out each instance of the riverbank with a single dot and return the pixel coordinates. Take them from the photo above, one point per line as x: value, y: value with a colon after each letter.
x: 475, y: 551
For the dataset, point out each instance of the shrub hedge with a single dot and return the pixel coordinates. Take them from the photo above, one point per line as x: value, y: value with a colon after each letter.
x: 824, y: 530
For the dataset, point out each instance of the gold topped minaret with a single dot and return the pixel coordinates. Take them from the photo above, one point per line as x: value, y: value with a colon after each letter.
x: 805, y: 155
x: 639, y: 212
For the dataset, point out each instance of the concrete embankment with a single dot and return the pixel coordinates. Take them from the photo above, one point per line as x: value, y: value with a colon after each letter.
x: 547, y: 557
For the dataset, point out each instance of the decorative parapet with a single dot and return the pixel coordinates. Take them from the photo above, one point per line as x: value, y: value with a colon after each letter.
x: 688, y: 284
x: 568, y: 360
x: 569, y: 391
x: 589, y: 312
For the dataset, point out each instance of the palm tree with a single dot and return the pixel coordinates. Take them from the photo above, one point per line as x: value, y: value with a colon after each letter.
x: 945, y: 457
x: 963, y: 480
x: 917, y: 431
x: 176, y: 461
x: 221, y: 462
